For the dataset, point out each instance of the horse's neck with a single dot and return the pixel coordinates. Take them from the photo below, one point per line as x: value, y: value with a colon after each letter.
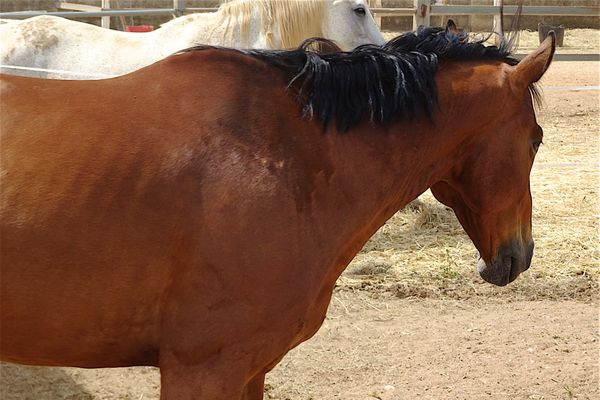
x: 197, y: 29
x: 259, y: 27
x: 187, y: 31
x: 221, y: 30
x: 230, y: 31
x: 290, y: 28
x: 376, y: 173
x: 295, y: 39
x: 379, y: 171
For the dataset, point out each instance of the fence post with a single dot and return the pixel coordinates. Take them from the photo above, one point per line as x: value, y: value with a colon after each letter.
x: 423, y: 14
x: 497, y: 26
x: 105, y: 21
x: 376, y: 4
x: 179, y: 6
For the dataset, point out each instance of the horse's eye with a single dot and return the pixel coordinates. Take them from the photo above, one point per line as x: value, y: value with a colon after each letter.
x: 360, y: 11
x: 536, y: 145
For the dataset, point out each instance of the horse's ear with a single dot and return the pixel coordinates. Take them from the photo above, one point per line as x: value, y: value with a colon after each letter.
x: 531, y: 68
x: 451, y: 27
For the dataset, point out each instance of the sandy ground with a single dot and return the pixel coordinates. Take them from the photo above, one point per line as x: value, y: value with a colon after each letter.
x: 401, y: 349
x: 375, y: 345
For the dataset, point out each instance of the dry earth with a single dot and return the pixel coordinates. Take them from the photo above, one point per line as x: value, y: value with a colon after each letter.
x: 411, y: 319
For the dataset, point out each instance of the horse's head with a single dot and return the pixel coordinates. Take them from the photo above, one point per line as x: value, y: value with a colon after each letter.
x: 350, y: 24
x: 488, y: 187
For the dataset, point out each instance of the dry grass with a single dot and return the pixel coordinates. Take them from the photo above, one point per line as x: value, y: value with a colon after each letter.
x: 423, y: 251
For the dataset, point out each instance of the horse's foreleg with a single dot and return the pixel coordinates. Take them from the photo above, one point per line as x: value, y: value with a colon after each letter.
x: 255, y: 388
x: 210, y: 381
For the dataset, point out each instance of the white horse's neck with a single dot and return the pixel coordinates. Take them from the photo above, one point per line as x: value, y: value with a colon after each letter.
x: 181, y: 33
x: 246, y: 24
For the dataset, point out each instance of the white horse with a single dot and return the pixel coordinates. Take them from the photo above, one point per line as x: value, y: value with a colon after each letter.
x: 90, y: 52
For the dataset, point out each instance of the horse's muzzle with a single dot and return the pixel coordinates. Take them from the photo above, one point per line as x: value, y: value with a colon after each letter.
x: 512, y: 258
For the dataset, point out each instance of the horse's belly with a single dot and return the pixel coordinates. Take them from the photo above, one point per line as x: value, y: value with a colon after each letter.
x: 45, y: 331
x: 62, y: 337
x: 68, y: 312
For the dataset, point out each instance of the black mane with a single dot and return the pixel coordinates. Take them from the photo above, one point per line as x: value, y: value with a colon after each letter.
x: 388, y: 83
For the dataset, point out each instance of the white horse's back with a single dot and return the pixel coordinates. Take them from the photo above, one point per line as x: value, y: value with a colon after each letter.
x: 76, y: 50
x: 54, y: 43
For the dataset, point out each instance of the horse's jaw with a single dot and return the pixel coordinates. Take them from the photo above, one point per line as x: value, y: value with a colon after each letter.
x: 512, y: 259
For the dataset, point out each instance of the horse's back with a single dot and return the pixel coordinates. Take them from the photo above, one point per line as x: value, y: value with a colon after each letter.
x: 56, y: 43
x: 38, y: 35
x: 97, y: 125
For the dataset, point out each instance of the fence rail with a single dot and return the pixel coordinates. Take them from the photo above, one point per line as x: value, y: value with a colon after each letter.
x: 591, y: 11
x: 421, y: 9
x: 89, y: 14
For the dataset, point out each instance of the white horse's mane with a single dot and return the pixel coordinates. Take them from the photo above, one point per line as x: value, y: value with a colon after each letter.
x: 290, y: 17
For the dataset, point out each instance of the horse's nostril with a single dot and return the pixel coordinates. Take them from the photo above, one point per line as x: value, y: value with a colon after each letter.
x: 513, y: 258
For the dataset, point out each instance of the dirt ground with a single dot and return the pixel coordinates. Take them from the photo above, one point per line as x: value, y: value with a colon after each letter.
x: 478, y: 342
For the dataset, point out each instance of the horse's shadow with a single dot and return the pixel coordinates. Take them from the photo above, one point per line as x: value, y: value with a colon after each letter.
x: 18, y: 382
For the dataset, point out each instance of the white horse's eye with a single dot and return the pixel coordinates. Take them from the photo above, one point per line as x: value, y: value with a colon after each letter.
x: 360, y: 11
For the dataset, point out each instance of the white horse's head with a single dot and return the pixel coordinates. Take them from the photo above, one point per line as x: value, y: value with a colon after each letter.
x: 350, y: 23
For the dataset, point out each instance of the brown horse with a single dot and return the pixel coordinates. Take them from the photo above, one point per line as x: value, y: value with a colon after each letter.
x: 195, y: 215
